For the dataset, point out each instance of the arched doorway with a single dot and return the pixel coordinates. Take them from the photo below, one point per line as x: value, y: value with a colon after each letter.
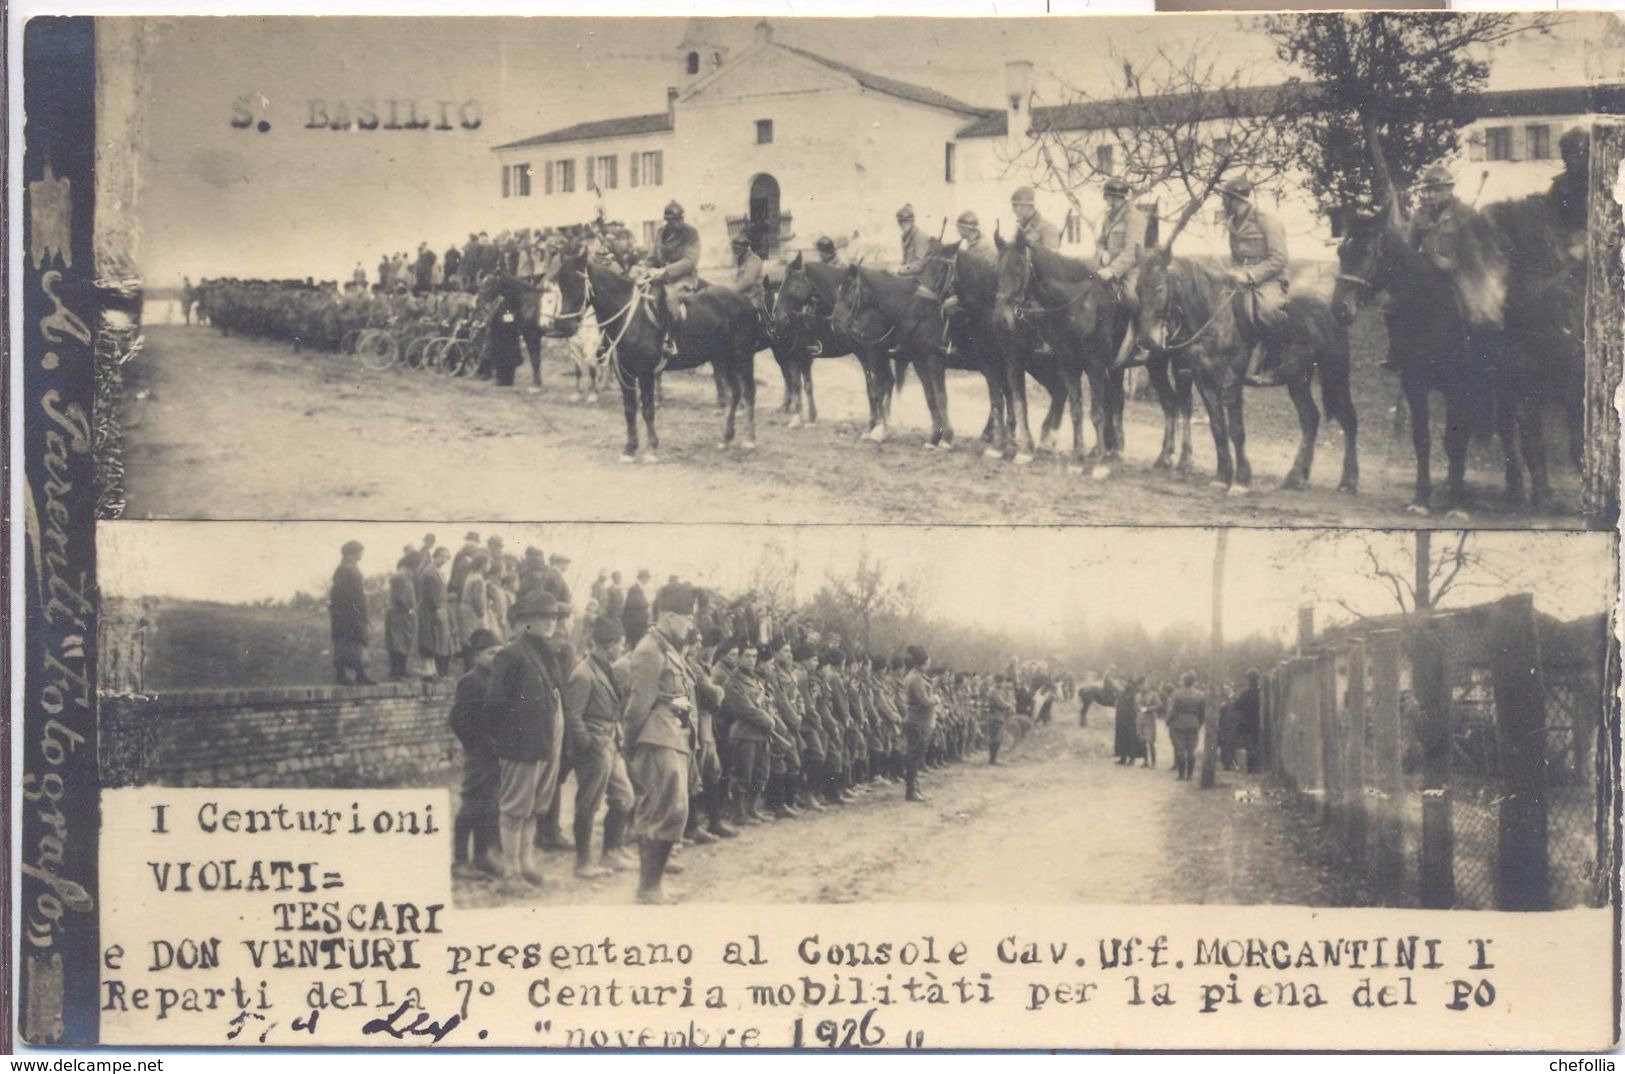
x: 765, y: 226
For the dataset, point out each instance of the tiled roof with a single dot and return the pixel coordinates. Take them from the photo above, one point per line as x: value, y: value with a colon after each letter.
x: 593, y: 129
x: 1264, y: 100
x: 908, y: 91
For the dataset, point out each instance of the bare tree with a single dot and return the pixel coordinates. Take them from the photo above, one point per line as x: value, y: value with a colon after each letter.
x: 773, y: 579
x: 865, y: 593
x: 1183, y: 120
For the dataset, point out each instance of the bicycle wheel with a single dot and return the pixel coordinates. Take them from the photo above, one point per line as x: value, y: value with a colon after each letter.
x: 459, y: 358
x: 433, y: 354
x: 376, y: 350
x: 414, y: 355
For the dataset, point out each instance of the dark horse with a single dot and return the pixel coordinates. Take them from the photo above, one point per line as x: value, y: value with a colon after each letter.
x: 1190, y: 316
x: 513, y: 312
x: 1483, y: 352
x: 1091, y: 694
x: 721, y: 327
x: 1072, y: 309
x: 802, y: 328
x: 990, y: 343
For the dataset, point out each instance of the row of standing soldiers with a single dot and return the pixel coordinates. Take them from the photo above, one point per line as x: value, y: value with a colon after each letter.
x: 687, y: 737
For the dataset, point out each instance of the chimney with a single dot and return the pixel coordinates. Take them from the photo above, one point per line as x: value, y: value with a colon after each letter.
x: 764, y: 32
x: 1018, y: 91
x: 671, y: 106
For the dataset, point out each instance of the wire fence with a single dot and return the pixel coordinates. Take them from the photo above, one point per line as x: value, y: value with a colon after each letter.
x: 1459, y: 760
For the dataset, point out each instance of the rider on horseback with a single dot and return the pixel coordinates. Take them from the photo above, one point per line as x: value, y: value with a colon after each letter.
x: 1439, y: 231
x: 914, y: 243
x: 748, y: 273
x: 675, y: 261
x: 1258, y: 256
x: 827, y: 254
x: 1038, y: 231
x: 1118, y: 249
x: 972, y: 242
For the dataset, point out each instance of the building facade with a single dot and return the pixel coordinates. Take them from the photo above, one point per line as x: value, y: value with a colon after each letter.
x: 784, y: 145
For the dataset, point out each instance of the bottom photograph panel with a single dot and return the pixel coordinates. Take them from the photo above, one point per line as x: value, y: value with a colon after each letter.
x: 825, y: 714
x: 386, y: 778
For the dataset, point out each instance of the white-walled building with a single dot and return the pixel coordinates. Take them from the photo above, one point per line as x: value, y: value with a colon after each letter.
x: 787, y: 145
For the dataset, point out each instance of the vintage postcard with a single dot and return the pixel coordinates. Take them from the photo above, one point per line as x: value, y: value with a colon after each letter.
x: 597, y: 533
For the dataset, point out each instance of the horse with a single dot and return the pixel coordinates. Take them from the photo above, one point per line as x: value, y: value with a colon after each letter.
x: 1196, y: 300
x: 1071, y: 308
x: 802, y: 328
x: 918, y: 328
x: 720, y: 327
x: 977, y: 331
x: 1445, y: 347
x: 1091, y: 694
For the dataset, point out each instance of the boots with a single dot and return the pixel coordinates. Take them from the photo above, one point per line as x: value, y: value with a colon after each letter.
x: 488, y: 846
x: 653, y: 854
x: 713, y: 812
x: 462, y: 833
x: 615, y: 855
x: 585, y: 869
x: 694, y: 832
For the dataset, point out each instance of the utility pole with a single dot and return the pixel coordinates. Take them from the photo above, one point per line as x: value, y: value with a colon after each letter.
x: 1215, y: 671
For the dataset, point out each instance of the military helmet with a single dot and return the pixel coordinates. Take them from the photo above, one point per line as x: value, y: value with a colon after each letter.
x: 1023, y: 196
x: 740, y: 242
x: 825, y: 244
x: 1239, y: 187
x: 905, y: 213
x: 1116, y: 184
x: 673, y: 211
x: 968, y: 219
x: 1437, y: 175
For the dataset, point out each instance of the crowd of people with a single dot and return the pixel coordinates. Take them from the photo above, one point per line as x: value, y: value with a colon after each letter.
x: 1183, y: 709
x: 681, y: 716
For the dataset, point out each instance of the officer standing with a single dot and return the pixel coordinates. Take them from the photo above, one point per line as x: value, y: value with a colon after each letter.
x: 1258, y: 258
x: 661, y: 708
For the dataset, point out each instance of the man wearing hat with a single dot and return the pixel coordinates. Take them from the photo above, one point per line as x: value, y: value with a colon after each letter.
x: 752, y: 732
x: 748, y: 273
x: 661, y: 710
x: 592, y: 718
x: 635, y: 611
x: 347, y: 608
x: 675, y: 262
x: 1121, y: 240
x: 914, y: 243
x: 920, y: 719
x: 971, y: 239
x: 477, y: 818
x: 435, y: 639
x: 1038, y: 231
x: 524, y: 712
x: 1441, y: 231
x: 1258, y: 259
x: 827, y: 254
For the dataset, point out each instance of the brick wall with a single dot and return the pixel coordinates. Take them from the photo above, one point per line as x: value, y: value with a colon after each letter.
x: 313, y: 736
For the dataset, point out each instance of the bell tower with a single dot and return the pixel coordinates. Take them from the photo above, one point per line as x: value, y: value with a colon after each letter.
x: 701, y: 50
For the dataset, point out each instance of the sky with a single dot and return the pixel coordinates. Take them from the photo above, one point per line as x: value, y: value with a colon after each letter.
x: 1011, y: 578
x: 219, y: 200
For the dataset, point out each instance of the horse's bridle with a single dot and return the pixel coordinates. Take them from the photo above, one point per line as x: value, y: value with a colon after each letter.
x: 850, y: 327
x: 1031, y: 307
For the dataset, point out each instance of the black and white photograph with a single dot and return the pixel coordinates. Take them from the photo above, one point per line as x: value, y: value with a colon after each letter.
x: 1290, y: 269
x: 738, y: 529
x: 1118, y: 716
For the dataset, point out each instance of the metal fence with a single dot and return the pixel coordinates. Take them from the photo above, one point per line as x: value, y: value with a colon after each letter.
x: 1458, y: 760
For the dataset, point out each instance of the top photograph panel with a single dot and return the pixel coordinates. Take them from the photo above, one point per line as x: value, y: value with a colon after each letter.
x: 1291, y: 270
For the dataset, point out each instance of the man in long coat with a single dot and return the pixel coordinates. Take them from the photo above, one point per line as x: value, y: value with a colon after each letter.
x: 347, y: 604
x: 635, y: 611
x: 401, y: 620
x: 434, y: 623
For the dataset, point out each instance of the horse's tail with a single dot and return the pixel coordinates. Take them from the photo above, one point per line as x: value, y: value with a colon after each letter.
x: 899, y: 372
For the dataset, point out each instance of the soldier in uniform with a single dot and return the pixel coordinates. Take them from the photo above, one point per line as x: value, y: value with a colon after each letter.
x: 523, y: 712
x: 1440, y: 230
x: 750, y: 733
x: 1258, y: 258
x: 592, y: 720
x: 477, y: 819
x: 827, y: 254
x: 1121, y: 241
x: 675, y: 263
x: 920, y: 720
x: 661, y: 710
x: 997, y: 708
x: 971, y: 239
x: 1187, y: 711
x: 748, y: 273
x: 1038, y: 231
x: 914, y: 243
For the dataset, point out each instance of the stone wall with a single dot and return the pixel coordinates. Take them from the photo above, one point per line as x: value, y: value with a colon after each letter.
x: 314, y: 736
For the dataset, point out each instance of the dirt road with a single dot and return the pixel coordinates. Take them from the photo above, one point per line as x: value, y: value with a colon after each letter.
x: 1058, y: 823
x: 233, y: 428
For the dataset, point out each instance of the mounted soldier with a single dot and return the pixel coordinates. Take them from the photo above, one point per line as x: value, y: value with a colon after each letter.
x: 1119, y: 246
x: 1258, y: 258
x: 827, y: 254
x: 1038, y: 231
x: 914, y: 243
x: 748, y: 273
x: 675, y: 263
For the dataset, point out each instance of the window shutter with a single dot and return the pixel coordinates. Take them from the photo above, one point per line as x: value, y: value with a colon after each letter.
x: 632, y: 160
x: 1518, y: 150
x: 1475, y: 145
x: 506, y: 181
x: 590, y: 172
x: 659, y: 168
